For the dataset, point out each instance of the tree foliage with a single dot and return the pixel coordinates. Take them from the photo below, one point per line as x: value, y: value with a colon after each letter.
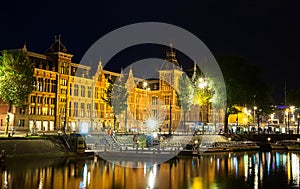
x: 185, y: 94
x: 244, y: 85
x: 116, y: 97
x: 293, y: 97
x: 16, y: 77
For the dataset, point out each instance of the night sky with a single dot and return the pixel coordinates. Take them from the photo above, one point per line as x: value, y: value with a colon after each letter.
x: 265, y: 32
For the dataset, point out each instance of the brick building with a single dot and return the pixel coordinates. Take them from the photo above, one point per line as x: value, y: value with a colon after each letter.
x: 67, y: 97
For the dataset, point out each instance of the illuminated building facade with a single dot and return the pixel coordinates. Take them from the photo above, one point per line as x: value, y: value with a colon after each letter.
x: 67, y: 97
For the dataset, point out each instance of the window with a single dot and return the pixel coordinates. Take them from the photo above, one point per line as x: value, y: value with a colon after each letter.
x: 64, y: 68
x: 47, y: 85
x: 75, y: 89
x: 154, y: 112
x: 63, y: 91
x: 63, y: 99
x: 40, y: 99
x: 45, y: 110
x: 89, y: 109
x: 75, y: 109
x: 71, y: 89
x: 82, y: 91
x: 96, y: 110
x: 22, y: 110
x: 34, y: 84
x: 82, y: 110
x: 63, y: 82
x: 40, y: 84
x: 89, y: 92
x: 53, y: 86
x: 102, y: 92
x: 21, y: 123
x: 32, y: 99
x: 62, y: 111
x: 52, y: 100
x: 32, y: 110
x: 51, y: 111
x: 102, y: 110
x: 167, y: 100
x: 39, y: 110
x: 154, y: 100
x: 46, y: 100
x: 96, y: 92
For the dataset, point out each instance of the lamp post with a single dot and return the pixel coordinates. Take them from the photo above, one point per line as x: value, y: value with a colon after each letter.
x: 298, y: 117
x: 292, y: 118
x: 7, y: 124
x: 254, y: 109
x: 287, y: 120
x: 170, y: 127
x: 202, y: 84
x: 146, y: 88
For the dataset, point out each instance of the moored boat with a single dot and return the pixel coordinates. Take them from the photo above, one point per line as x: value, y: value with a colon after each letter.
x: 210, y: 147
x: 294, y: 146
x: 282, y: 144
x: 244, y: 145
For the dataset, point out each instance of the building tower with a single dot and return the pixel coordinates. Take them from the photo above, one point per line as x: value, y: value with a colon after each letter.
x: 169, y: 74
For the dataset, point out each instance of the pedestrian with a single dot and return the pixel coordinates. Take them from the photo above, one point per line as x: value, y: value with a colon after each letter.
x: 135, y: 140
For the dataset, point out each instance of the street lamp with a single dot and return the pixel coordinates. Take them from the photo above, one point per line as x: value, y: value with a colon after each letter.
x: 287, y: 120
x: 202, y: 84
x: 254, y: 109
x: 298, y: 117
x: 145, y: 84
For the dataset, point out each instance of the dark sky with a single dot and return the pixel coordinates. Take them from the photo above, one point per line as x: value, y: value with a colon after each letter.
x: 264, y: 31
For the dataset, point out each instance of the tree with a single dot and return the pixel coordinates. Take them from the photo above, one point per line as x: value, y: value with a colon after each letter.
x: 293, y: 97
x: 16, y: 78
x: 185, y: 94
x: 244, y: 86
x: 116, y: 97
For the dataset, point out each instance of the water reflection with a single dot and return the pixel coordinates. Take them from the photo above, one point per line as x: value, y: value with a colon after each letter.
x: 224, y: 170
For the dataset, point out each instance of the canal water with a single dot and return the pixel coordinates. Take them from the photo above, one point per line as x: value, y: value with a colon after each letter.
x: 223, y: 170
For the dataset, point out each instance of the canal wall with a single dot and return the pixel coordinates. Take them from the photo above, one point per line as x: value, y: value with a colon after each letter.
x: 263, y: 138
x: 33, y: 147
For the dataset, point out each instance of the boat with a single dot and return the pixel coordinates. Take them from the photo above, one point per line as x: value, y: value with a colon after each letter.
x: 295, y: 146
x: 209, y: 147
x: 186, y: 152
x: 231, y: 146
x: 244, y: 145
x: 282, y: 144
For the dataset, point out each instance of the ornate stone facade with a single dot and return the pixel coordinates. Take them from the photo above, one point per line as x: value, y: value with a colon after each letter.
x: 66, y: 97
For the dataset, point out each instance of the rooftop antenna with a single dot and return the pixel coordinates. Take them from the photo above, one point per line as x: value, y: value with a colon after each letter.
x: 284, y: 92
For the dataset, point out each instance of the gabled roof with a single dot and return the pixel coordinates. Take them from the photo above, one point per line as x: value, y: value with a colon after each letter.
x: 57, y: 46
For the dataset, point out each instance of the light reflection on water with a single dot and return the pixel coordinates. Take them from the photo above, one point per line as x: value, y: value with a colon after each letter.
x: 223, y: 170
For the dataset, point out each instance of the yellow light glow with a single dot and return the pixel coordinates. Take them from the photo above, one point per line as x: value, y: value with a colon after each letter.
x: 145, y: 84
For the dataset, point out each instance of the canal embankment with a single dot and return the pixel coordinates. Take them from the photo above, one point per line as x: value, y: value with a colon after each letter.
x: 262, y: 139
x: 40, y: 146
